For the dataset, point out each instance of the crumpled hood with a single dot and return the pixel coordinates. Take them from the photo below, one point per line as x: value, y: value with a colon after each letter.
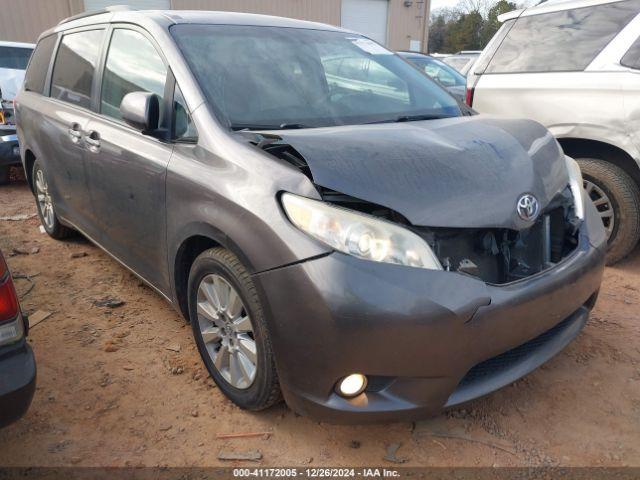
x: 10, y: 82
x: 466, y: 172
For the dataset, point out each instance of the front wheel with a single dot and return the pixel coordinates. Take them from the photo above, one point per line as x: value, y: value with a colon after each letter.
x: 230, y: 330
x: 617, y: 200
x: 44, y: 203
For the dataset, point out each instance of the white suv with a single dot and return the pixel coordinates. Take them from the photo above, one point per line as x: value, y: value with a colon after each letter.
x: 574, y: 66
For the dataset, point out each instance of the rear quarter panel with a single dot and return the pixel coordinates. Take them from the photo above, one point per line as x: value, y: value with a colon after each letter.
x: 632, y: 109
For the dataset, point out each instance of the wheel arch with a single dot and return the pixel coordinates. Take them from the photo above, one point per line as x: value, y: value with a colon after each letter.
x: 197, y: 238
x: 586, y: 148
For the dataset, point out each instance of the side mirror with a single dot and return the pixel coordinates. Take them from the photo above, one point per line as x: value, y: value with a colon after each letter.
x: 141, y: 110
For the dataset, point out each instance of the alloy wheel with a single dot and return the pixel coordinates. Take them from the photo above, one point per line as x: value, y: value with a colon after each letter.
x: 603, y: 205
x: 227, y: 331
x: 44, y: 200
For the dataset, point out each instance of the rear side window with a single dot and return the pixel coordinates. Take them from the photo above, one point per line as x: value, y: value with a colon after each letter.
x: 75, y: 67
x: 568, y: 40
x: 133, y: 65
x: 631, y: 59
x: 15, y: 58
x: 36, y: 75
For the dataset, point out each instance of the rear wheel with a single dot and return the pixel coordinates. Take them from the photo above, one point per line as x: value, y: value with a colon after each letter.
x: 617, y: 198
x: 230, y: 330
x: 44, y: 203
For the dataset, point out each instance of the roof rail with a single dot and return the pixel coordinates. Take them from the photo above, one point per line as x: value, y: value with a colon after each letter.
x: 114, y: 8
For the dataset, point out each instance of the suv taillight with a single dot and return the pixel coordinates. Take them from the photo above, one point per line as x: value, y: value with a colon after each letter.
x: 469, y: 99
x: 9, y: 307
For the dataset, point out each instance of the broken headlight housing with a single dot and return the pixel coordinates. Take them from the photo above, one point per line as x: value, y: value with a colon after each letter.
x: 576, y: 185
x: 358, y: 234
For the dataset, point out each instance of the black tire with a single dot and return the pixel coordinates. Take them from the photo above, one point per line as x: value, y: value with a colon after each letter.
x: 4, y: 175
x: 265, y: 389
x: 54, y: 229
x: 624, y: 194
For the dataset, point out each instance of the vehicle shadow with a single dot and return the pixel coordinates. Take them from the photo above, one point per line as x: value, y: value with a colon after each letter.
x: 630, y: 264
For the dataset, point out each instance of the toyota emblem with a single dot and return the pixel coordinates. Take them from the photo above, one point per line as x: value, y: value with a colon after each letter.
x: 528, y: 207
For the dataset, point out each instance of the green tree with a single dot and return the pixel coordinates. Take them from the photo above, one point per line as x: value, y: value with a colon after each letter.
x: 465, y: 33
x: 491, y: 24
x: 437, y: 32
x: 469, y: 26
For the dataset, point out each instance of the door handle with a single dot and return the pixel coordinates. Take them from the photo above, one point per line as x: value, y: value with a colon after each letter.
x: 93, y: 141
x: 75, y: 133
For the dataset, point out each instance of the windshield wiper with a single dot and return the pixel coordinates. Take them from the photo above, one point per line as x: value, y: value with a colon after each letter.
x: 411, y: 118
x: 282, y: 126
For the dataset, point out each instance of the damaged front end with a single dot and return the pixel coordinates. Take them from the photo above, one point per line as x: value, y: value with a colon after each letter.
x: 496, y: 254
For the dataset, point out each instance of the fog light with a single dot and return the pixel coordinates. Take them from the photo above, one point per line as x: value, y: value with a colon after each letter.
x: 352, y: 385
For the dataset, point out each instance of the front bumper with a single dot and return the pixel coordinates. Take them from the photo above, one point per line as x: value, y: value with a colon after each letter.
x: 17, y: 381
x: 418, y: 334
x: 9, y: 148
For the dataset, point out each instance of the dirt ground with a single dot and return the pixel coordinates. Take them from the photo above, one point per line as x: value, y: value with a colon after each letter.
x: 113, y: 392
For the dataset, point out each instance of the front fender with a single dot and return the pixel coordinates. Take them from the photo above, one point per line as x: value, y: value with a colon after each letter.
x: 236, y: 205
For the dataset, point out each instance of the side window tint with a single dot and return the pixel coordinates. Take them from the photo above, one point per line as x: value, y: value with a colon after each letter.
x: 631, y: 59
x: 36, y: 75
x: 567, y: 40
x: 75, y: 67
x: 133, y: 65
x: 184, y: 129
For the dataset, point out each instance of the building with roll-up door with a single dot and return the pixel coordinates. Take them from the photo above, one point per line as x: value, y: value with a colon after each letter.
x: 398, y: 24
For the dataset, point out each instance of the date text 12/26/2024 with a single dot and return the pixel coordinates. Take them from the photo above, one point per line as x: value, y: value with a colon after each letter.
x: 316, y: 472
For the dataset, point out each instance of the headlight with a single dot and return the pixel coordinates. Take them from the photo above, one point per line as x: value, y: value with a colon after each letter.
x: 357, y: 234
x: 576, y: 185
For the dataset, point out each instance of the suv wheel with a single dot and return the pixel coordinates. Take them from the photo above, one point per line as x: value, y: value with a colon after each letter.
x: 617, y: 198
x: 44, y: 203
x: 230, y: 330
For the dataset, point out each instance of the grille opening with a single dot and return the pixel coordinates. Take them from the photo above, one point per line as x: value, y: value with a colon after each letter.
x: 500, y: 256
x: 495, y: 366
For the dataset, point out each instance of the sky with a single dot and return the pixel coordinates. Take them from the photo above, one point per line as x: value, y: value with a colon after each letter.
x: 435, y: 4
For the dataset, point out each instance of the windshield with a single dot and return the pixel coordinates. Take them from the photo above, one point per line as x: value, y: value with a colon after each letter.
x: 446, y: 75
x: 14, y: 58
x: 274, y: 77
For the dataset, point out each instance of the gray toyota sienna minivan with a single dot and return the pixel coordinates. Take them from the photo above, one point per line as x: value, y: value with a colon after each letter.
x: 338, y: 230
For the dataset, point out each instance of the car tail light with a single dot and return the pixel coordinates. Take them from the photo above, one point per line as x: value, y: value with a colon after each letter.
x: 469, y: 99
x: 9, y: 307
